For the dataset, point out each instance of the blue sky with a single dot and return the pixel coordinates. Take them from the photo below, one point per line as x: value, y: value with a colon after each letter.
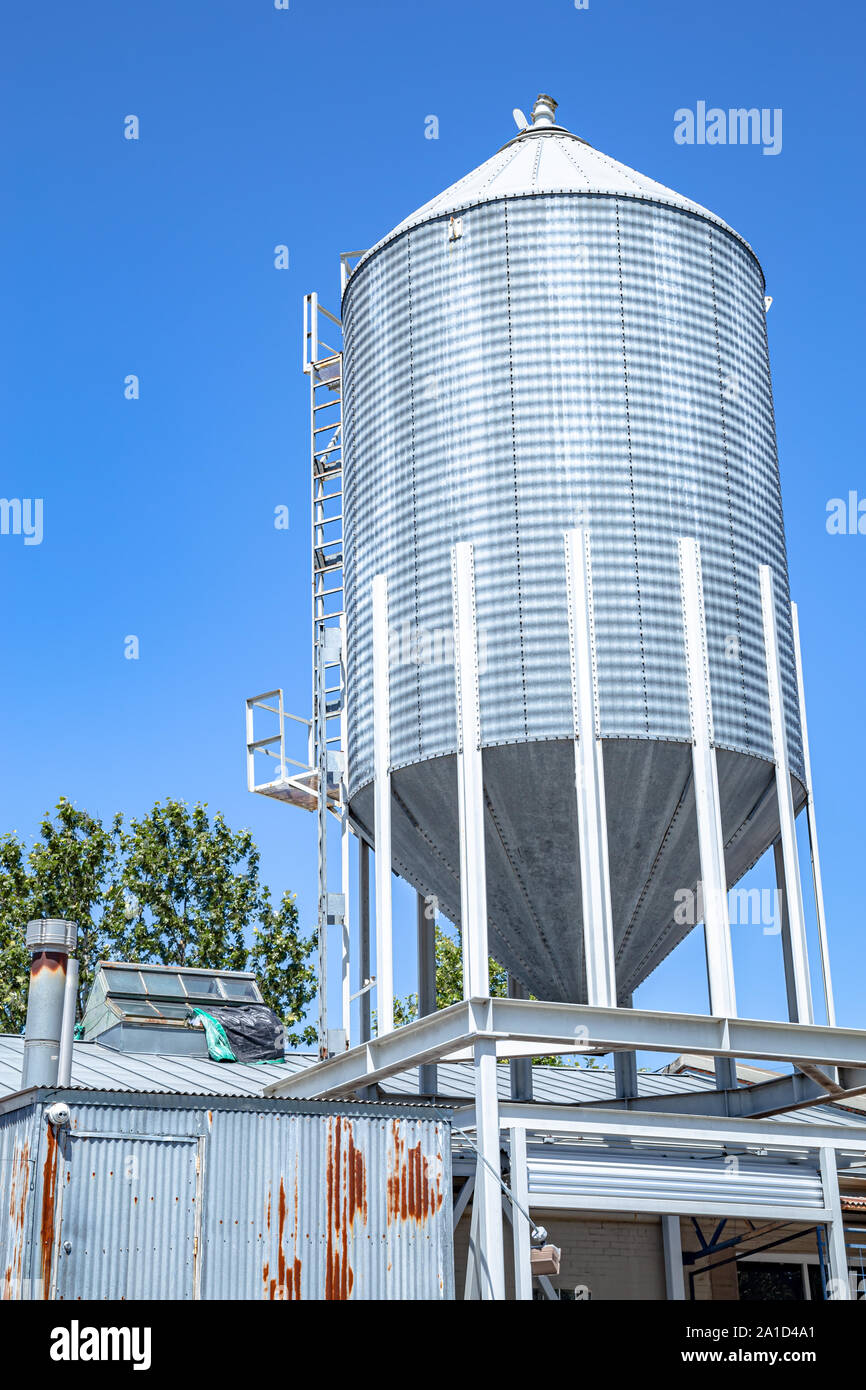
x: 155, y: 257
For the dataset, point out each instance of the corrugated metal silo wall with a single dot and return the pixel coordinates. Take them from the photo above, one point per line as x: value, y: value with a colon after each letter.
x: 569, y: 360
x: 170, y: 1199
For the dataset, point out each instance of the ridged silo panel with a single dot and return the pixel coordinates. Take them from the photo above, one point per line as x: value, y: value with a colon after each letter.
x: 463, y: 460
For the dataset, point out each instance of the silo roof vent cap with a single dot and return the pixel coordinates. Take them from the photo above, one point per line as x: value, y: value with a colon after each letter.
x: 544, y: 110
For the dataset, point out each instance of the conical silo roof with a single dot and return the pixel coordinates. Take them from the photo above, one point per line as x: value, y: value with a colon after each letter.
x: 547, y: 158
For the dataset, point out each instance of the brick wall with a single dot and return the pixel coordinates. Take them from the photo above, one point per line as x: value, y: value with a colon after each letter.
x: 620, y: 1256
x: 613, y: 1256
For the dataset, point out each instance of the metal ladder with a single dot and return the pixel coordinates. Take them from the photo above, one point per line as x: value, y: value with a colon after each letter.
x: 323, y: 364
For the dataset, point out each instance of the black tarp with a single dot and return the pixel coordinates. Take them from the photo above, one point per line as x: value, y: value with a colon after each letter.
x: 254, y: 1032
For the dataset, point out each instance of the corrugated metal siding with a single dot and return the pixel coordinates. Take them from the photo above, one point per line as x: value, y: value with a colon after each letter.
x: 244, y: 1201
x: 337, y: 1208
x: 127, y: 1214
x: 642, y: 1174
x: 17, y: 1173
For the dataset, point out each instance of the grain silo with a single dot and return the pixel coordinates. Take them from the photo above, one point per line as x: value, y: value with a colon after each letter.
x: 559, y: 342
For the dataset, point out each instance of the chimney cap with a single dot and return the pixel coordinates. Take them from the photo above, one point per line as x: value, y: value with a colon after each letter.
x: 51, y: 934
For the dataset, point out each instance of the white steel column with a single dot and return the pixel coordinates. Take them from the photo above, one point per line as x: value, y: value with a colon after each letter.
x: 717, y: 927
x: 787, y: 826
x: 589, y: 777
x: 813, y: 830
x: 490, y: 1253
x: 675, y: 1283
x: 345, y: 954
x: 426, y: 924
x: 785, y: 933
x: 491, y: 1247
x: 470, y: 779
x: 520, y: 1227
x: 382, y: 811
x: 838, y: 1254
x: 363, y: 940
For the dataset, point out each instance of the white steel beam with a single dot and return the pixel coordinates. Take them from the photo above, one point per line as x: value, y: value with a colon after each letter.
x: 663, y: 1204
x: 813, y: 829
x: 787, y: 826
x: 550, y: 1027
x: 836, y: 1249
x: 470, y: 778
x: 520, y: 1227
x: 382, y: 808
x: 616, y: 1125
x: 717, y: 927
x: 597, y: 913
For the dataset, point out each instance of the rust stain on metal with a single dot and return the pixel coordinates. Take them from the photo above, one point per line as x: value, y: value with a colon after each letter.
x: 46, y: 1225
x: 412, y: 1193
x: 346, y: 1203
x: 47, y: 960
x: 20, y: 1182
x: 286, y: 1283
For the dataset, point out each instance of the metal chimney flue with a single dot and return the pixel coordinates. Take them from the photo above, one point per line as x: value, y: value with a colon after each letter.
x: 50, y: 940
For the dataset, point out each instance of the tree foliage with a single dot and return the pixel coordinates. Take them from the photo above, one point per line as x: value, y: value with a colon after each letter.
x: 176, y: 887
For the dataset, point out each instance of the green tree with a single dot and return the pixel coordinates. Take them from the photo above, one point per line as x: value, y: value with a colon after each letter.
x: 175, y: 887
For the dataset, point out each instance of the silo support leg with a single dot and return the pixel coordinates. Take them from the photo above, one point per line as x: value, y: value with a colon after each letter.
x: 793, y: 892
x: 470, y: 779
x: 589, y: 778
x: 382, y: 807
x: 426, y: 923
x: 363, y: 940
x: 711, y: 845
x: 813, y: 829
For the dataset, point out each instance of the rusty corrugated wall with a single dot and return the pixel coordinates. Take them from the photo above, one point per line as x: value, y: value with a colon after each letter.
x: 186, y: 1197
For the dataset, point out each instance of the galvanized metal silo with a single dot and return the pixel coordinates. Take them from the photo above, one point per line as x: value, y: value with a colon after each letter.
x: 555, y: 342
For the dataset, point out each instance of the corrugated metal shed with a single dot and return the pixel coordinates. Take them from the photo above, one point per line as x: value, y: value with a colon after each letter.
x: 182, y: 1197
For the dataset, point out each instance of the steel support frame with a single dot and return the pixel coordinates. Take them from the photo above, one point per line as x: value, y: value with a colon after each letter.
x: 551, y: 1027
